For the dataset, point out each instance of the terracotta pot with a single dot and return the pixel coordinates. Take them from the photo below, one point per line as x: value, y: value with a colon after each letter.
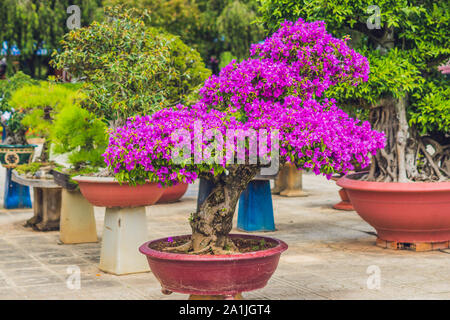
x: 225, y: 275
x: 173, y: 193
x: 107, y: 192
x: 345, y: 203
x: 403, y: 212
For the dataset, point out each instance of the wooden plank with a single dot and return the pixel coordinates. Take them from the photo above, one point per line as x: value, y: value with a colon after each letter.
x: 412, y: 246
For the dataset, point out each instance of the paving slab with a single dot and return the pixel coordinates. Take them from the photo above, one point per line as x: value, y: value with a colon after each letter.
x: 331, y: 255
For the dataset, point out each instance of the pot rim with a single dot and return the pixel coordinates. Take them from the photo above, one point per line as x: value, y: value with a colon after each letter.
x: 18, y: 146
x: 348, y: 182
x: 281, y: 247
x: 99, y: 180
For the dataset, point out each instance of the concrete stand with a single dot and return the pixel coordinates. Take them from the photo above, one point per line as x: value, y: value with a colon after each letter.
x: 77, y: 223
x: 125, y: 229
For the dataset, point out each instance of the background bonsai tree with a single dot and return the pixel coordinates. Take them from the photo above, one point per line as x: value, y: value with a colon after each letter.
x: 217, y: 29
x: 11, y: 120
x: 128, y: 68
x: 40, y: 103
x: 406, y: 96
x: 278, y: 90
x: 82, y: 136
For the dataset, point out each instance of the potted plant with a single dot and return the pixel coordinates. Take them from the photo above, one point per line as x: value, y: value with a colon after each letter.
x: 405, y: 194
x: 272, y: 97
x: 14, y: 150
x: 159, y: 70
x: 129, y: 69
x: 40, y: 103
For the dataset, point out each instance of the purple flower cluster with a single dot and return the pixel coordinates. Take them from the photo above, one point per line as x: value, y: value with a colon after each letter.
x: 280, y: 87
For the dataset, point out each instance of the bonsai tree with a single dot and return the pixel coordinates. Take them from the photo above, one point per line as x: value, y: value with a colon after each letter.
x: 406, y: 96
x: 279, y: 90
x: 128, y: 68
x: 82, y: 136
x: 11, y: 120
x: 40, y: 103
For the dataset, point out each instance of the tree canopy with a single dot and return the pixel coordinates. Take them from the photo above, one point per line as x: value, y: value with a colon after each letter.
x: 407, y: 96
x: 130, y: 68
x: 34, y: 24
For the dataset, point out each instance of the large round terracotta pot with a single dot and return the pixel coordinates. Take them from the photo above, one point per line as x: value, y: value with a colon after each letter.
x: 402, y: 212
x: 345, y: 203
x: 226, y: 275
x: 108, y: 192
x: 173, y: 193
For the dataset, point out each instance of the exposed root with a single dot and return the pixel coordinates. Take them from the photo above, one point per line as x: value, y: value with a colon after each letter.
x: 184, y: 248
x: 407, y: 156
x: 218, y: 251
x: 201, y: 251
x: 187, y: 248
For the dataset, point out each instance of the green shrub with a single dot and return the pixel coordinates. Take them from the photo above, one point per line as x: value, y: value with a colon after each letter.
x: 129, y: 68
x: 77, y: 131
x: 7, y: 88
x: 40, y: 103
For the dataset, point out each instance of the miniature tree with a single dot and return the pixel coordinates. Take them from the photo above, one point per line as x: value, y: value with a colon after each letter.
x: 79, y: 133
x: 128, y: 68
x: 277, y: 90
x: 15, y: 130
x: 406, y: 96
x: 40, y: 103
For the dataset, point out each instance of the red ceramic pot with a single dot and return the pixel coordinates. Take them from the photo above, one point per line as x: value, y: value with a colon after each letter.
x: 225, y: 275
x: 402, y: 212
x: 107, y: 192
x: 173, y: 193
x: 345, y: 203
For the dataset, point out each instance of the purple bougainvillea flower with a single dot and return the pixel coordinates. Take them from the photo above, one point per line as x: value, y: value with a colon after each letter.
x: 281, y: 87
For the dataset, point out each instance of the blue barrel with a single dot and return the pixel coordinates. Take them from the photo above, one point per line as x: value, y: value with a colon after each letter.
x: 255, y: 207
x: 16, y: 195
x: 204, y: 190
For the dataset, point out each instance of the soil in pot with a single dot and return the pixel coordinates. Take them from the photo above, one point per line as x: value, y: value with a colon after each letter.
x: 243, y: 245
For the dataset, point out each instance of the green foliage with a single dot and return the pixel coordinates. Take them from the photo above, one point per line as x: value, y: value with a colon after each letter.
x: 31, y: 23
x: 225, y: 58
x: 130, y: 68
x: 34, y: 167
x: 7, y: 88
x: 78, y: 132
x: 209, y: 26
x: 432, y: 112
x: 41, y: 102
x: 403, y: 54
x: 234, y: 23
x: 190, y: 73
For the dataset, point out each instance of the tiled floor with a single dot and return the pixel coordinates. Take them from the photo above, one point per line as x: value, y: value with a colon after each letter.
x: 331, y: 255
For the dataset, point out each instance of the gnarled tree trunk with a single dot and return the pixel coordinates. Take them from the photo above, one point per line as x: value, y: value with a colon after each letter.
x: 214, y: 220
x: 406, y: 156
